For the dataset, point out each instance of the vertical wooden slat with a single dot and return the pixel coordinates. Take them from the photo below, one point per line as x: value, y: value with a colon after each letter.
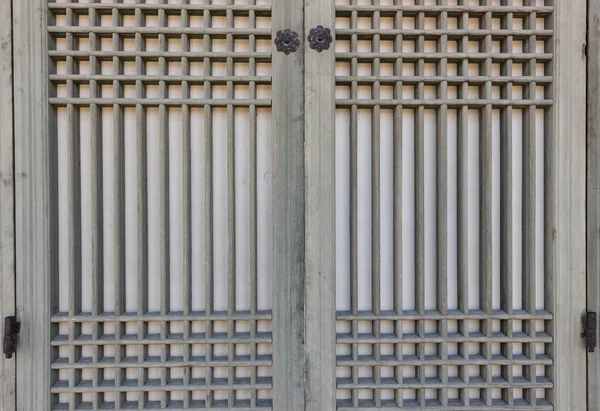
x: 118, y: 185
x: 142, y: 207
x: 593, y: 191
x: 486, y: 234
x: 354, y: 200
x: 530, y: 209
x: 442, y: 206
x: 164, y: 248
x: 208, y: 204
x: 564, y: 193
x: 288, y: 209
x: 319, y: 149
x: 36, y: 205
x: 186, y: 211
x: 420, y: 203
x: 320, y: 213
x: 376, y: 203
x: 73, y: 210
x: 7, y: 205
x: 252, y: 209
x: 506, y: 211
x: 398, y: 147
x: 463, y: 202
x: 231, y: 251
x: 97, y: 209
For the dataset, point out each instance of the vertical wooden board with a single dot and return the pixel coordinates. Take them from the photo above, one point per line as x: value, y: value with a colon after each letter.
x: 565, y: 213
x: 35, y: 201
x: 288, y: 208
x: 7, y: 221
x: 320, y: 211
x: 593, y: 191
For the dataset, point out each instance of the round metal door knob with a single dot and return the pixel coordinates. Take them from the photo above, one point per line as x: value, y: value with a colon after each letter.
x: 320, y: 38
x: 287, y: 41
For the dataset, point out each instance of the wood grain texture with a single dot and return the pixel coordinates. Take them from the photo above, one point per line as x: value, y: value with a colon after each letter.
x: 288, y: 209
x: 593, y: 191
x: 320, y: 213
x: 7, y: 193
x: 565, y: 245
x: 36, y: 202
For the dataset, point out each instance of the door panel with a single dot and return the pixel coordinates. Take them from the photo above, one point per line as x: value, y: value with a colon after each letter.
x: 438, y: 289
x: 395, y: 222
x: 159, y: 206
x: 445, y: 139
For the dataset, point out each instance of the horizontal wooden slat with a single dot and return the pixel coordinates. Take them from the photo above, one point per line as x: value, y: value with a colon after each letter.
x: 172, y: 362
x: 436, y: 80
x: 434, y: 10
x: 173, y: 385
x: 156, y: 102
x: 432, y: 34
x: 434, y: 360
x: 155, y: 316
x: 432, y: 57
x: 434, y: 103
x: 216, y: 56
x: 129, y: 8
x: 149, y: 79
x: 165, y: 31
x: 150, y: 339
x: 434, y: 315
x: 475, y: 337
x: 433, y: 383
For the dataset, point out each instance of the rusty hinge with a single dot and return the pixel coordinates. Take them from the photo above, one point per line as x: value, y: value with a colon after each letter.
x: 11, y: 329
x: 590, y: 328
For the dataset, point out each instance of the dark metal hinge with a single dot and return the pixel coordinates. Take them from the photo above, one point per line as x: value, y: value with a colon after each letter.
x: 590, y: 328
x: 11, y: 329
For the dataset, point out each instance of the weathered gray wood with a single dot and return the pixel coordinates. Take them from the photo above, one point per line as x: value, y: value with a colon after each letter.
x: 7, y: 193
x: 36, y: 205
x: 354, y: 198
x: 442, y: 207
x: 507, y: 213
x: 565, y: 158
x: 320, y: 213
x: 288, y: 209
x: 419, y: 216
x: 593, y: 191
x: 398, y: 147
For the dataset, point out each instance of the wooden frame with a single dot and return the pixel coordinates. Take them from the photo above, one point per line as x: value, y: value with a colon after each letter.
x: 565, y: 221
x: 288, y: 209
x: 35, y: 199
x: 7, y: 212
x: 593, y: 191
x: 304, y: 233
x: 320, y: 333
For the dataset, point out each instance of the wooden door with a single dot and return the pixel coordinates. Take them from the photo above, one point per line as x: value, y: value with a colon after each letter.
x: 147, y: 259
x: 458, y: 181
x: 396, y: 221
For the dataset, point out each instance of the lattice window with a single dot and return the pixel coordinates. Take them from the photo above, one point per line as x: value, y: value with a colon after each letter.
x: 442, y: 113
x: 162, y: 292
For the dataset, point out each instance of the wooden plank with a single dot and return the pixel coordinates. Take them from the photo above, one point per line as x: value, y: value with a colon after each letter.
x: 593, y: 191
x: 288, y: 209
x: 320, y: 213
x: 565, y: 155
x: 7, y: 193
x: 36, y: 203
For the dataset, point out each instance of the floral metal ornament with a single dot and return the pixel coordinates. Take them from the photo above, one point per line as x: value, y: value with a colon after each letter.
x: 287, y: 41
x: 320, y: 38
